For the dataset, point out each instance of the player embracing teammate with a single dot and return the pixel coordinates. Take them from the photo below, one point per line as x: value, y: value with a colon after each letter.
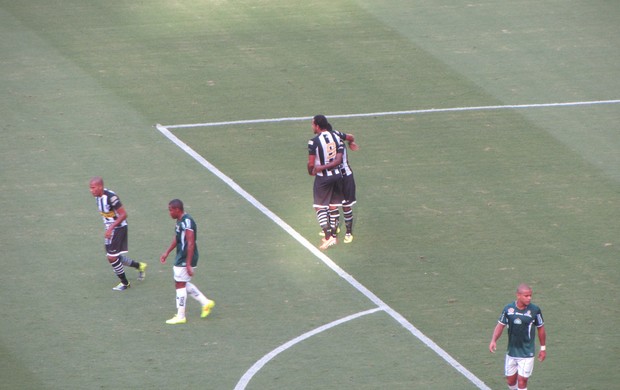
x: 334, y: 185
x: 348, y: 187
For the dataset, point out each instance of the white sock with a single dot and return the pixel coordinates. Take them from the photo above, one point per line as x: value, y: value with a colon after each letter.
x: 181, y: 298
x: 513, y: 387
x: 196, y: 294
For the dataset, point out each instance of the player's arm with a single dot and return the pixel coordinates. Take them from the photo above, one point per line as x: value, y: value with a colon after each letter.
x: 164, y: 255
x: 542, y: 337
x: 121, y: 215
x: 497, y: 332
x: 351, y: 140
x: 337, y: 161
x: 311, y: 160
x: 191, y: 247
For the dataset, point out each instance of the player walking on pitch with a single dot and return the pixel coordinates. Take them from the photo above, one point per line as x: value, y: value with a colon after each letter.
x: 522, y: 318
x: 185, y: 263
x: 116, y: 241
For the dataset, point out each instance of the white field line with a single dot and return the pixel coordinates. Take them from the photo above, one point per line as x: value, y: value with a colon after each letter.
x: 388, y: 113
x: 245, y: 379
x: 326, y: 260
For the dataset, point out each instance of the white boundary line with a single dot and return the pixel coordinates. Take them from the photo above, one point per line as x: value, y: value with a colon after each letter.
x: 387, y: 113
x: 350, y: 279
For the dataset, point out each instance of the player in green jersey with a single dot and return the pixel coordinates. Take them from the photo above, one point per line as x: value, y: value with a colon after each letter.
x: 522, y: 318
x: 185, y: 262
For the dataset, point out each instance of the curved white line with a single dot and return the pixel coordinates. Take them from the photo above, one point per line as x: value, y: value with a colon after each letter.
x: 245, y: 379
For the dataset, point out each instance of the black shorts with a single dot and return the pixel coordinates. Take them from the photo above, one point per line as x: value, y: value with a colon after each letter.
x: 348, y: 190
x: 327, y: 190
x: 117, y: 244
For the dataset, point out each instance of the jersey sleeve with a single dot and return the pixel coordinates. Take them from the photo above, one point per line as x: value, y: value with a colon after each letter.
x: 503, y: 318
x: 311, y: 147
x: 187, y: 224
x: 340, y: 148
x: 115, y: 202
x: 539, y: 321
x: 341, y: 135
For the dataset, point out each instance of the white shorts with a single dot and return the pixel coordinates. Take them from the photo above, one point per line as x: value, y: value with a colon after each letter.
x: 180, y: 274
x: 521, y: 366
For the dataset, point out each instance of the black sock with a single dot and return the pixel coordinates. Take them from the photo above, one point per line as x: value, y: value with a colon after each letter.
x: 129, y: 262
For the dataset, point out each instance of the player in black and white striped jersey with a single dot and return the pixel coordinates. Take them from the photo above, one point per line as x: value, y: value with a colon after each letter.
x: 116, y: 242
x: 348, y: 187
x: 324, y: 158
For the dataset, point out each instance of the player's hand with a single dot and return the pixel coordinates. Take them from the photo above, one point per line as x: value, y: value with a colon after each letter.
x: 492, y: 346
x: 542, y: 355
x: 190, y: 271
x: 162, y: 258
x: 108, y: 233
x: 353, y: 146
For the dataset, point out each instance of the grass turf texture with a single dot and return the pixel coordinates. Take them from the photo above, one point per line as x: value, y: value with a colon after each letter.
x: 454, y: 210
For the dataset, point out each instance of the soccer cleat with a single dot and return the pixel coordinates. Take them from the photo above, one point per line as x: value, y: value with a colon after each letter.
x: 328, y: 242
x: 121, y: 287
x: 206, y: 309
x: 348, y: 238
x: 322, y: 233
x: 142, y: 271
x: 176, y: 320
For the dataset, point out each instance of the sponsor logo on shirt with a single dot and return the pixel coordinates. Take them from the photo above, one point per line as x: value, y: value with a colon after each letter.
x: 109, y: 214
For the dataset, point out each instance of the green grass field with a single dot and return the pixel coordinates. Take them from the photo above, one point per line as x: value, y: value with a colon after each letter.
x: 455, y: 206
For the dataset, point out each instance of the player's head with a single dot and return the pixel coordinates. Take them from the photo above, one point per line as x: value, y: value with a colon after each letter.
x: 524, y: 295
x: 96, y: 186
x: 175, y: 208
x: 521, y: 288
x: 320, y: 121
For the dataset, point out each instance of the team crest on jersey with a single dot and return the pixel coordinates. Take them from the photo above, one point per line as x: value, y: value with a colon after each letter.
x: 517, y: 321
x: 511, y: 311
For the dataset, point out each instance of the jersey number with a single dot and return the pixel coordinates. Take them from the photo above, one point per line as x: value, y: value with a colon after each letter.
x: 331, y: 149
